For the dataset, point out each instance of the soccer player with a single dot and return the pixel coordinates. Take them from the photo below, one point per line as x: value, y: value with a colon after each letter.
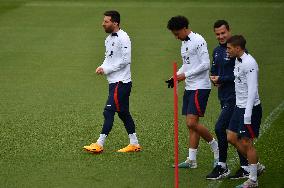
x: 116, y: 67
x: 222, y: 76
x: 248, y: 111
x: 195, y: 72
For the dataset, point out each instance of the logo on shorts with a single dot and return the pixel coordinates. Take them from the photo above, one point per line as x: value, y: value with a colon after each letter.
x: 242, y: 132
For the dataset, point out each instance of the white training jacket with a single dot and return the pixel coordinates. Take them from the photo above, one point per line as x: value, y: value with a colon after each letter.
x: 246, y: 85
x: 117, y: 60
x: 196, y: 62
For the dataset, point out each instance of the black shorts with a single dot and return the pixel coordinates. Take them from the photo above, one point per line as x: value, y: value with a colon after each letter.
x: 195, y: 102
x: 118, y: 98
x: 237, y: 122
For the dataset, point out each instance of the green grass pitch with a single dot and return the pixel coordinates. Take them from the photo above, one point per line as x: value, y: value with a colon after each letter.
x: 51, y: 101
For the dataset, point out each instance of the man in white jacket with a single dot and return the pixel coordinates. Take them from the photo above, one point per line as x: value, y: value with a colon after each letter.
x: 116, y: 67
x: 246, y: 118
x: 195, y: 72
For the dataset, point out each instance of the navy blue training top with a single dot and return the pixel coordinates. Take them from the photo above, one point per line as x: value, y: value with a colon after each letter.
x: 223, y: 66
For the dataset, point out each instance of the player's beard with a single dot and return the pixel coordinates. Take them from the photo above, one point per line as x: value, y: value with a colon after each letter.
x: 108, y: 29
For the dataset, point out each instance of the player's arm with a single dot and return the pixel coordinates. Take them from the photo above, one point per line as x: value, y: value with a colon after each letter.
x: 170, y: 81
x: 252, y: 84
x: 203, y: 55
x: 226, y: 78
x: 125, y: 47
x: 100, y: 69
x: 181, y: 74
x: 214, y: 71
x: 214, y: 68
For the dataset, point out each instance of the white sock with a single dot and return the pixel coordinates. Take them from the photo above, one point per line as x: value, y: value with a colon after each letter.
x: 133, y: 139
x: 101, y: 139
x: 253, y: 172
x: 192, y: 154
x: 214, y: 147
x: 223, y: 165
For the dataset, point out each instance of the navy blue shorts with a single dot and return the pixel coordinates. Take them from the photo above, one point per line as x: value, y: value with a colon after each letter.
x: 118, y: 98
x: 237, y: 122
x: 195, y: 102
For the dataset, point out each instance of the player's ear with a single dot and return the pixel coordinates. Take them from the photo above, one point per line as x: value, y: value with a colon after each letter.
x: 238, y: 48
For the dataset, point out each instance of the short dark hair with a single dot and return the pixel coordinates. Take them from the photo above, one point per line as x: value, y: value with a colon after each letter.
x: 219, y: 23
x: 177, y: 23
x: 237, y: 40
x: 115, y: 16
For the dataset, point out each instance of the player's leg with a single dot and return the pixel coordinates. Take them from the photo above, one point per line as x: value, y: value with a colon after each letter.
x: 246, y: 144
x: 221, y: 170
x: 194, y: 125
x: 194, y: 137
x: 198, y: 101
x: 247, y: 134
x: 243, y: 171
x: 220, y: 131
x: 193, y: 108
x: 232, y: 137
x: 130, y: 128
x: 124, y: 91
x: 237, y: 144
x: 128, y: 122
x: 108, y: 114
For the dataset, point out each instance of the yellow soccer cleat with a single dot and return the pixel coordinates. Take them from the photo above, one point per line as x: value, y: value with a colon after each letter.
x: 94, y: 148
x: 131, y: 148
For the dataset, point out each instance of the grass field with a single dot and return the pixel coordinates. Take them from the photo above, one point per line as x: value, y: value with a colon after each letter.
x: 51, y: 101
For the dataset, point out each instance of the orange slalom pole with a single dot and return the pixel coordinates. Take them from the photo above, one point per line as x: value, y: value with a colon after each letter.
x: 175, y: 123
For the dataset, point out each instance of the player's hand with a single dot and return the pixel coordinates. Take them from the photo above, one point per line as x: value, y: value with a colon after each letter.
x: 214, y: 79
x: 181, y: 77
x: 170, y: 82
x: 100, y: 70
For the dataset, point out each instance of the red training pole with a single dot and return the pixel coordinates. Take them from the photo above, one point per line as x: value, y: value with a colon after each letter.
x: 175, y: 122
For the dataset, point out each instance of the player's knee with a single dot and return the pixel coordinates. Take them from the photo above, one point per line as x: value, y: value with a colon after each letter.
x: 123, y: 115
x: 232, y: 138
x: 108, y: 114
x: 246, y: 142
x: 192, y: 124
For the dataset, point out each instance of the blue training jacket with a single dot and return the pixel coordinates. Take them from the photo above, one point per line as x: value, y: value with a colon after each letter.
x: 223, y: 66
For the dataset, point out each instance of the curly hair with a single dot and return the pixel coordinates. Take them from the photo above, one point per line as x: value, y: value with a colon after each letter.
x: 177, y: 23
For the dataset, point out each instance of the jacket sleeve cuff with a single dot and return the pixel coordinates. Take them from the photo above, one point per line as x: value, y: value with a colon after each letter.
x: 187, y: 74
x: 220, y: 79
x: 247, y: 119
x: 106, y: 69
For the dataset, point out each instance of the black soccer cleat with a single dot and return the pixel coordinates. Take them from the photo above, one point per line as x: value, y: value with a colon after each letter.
x: 240, y: 174
x: 218, y: 173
